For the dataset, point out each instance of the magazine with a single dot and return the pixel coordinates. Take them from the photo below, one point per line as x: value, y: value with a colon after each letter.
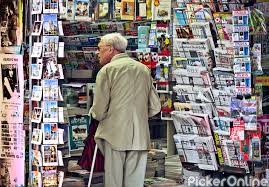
x: 127, y: 10
x: 222, y: 125
x: 49, y: 155
x: 78, y: 131
x: 202, y: 30
x: 50, y: 111
x: 240, y: 33
x: 36, y: 71
x: 224, y: 25
x: 161, y: 10
x: 37, y: 115
x: 50, y: 89
x: 36, y: 93
x: 50, y: 133
x: 166, y: 106
x: 36, y: 136
x: 238, y: 130
x: 180, y: 17
x: 50, y: 24
x: 103, y: 9
x: 189, y: 93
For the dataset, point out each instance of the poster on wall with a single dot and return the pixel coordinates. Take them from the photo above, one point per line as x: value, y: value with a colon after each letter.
x: 11, y: 84
x: 78, y: 131
x: 9, y: 173
x: 11, y: 26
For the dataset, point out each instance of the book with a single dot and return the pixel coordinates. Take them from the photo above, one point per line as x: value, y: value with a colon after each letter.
x: 50, y: 89
x: 50, y: 111
x: 50, y: 24
x: 36, y: 71
x: 127, y: 9
x: 50, y: 133
x: 37, y: 28
x: 36, y: 7
x: 37, y: 115
x: 49, y: 155
x: 36, y: 93
x: 50, y: 6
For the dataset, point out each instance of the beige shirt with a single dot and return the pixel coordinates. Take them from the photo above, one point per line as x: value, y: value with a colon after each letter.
x: 124, y: 100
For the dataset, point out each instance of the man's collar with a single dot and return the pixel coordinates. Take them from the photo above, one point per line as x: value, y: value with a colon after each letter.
x: 118, y: 56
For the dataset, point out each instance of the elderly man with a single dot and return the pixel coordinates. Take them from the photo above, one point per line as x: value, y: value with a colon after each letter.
x: 124, y: 100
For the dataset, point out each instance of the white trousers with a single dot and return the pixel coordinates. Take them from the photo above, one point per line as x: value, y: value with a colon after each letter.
x: 123, y: 168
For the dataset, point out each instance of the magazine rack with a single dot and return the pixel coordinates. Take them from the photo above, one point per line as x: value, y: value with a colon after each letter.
x: 212, y: 39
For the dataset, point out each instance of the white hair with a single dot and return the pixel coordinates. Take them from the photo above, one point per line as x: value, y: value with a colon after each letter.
x: 116, y: 40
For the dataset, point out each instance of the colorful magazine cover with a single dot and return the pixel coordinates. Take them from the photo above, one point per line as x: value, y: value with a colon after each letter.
x: 78, y: 131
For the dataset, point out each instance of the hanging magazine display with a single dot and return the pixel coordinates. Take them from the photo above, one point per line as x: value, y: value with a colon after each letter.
x: 78, y: 131
x: 11, y: 13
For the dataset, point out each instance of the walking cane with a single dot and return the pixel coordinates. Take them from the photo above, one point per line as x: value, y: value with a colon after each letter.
x: 92, y: 167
